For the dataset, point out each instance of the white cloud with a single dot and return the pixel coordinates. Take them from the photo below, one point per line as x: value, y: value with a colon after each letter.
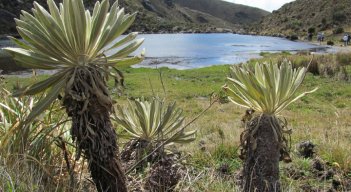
x: 268, y: 5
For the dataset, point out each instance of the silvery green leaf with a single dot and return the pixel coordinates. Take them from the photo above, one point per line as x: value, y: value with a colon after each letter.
x: 46, y: 101
x: 40, y: 86
x: 153, y: 121
x: 269, y: 89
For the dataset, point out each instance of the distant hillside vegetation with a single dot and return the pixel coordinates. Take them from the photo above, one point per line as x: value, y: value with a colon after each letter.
x: 160, y: 16
x: 191, y: 15
x: 301, y: 16
x: 167, y: 16
x: 234, y: 13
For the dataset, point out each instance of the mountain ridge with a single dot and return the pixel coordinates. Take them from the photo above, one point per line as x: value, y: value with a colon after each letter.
x: 159, y: 16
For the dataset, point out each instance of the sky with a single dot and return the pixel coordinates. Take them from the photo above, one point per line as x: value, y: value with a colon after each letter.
x: 268, y: 5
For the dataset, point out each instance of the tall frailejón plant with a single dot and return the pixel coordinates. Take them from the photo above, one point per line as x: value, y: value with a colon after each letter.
x: 75, y: 43
x: 268, y: 89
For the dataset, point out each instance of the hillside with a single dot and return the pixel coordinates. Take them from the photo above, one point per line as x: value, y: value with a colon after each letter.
x: 233, y: 13
x: 167, y: 16
x: 297, y: 17
x: 161, y: 15
x: 10, y: 9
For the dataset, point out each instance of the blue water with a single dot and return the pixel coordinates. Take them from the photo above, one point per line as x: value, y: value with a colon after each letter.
x: 185, y: 51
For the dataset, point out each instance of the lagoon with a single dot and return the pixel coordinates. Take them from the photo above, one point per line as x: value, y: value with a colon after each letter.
x: 187, y: 51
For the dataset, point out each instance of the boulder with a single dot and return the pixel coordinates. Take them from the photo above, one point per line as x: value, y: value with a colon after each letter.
x: 219, y: 30
x: 148, y: 5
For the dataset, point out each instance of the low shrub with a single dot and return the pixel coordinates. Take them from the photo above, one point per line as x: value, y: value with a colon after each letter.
x: 314, y: 68
x: 343, y: 59
x: 339, y: 16
x: 342, y: 74
x: 292, y: 37
x: 338, y: 30
x: 311, y: 30
x: 323, y: 65
x: 331, y: 43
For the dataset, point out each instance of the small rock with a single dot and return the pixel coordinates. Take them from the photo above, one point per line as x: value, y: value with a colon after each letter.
x: 219, y: 30
x: 306, y: 149
x: 176, y: 29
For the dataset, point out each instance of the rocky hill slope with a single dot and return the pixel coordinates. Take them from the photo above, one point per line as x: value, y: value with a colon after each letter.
x: 233, y: 13
x: 301, y: 16
x: 168, y: 16
x: 160, y: 15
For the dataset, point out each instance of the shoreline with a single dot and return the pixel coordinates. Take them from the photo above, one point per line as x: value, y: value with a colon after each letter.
x: 336, y: 48
x: 8, y: 66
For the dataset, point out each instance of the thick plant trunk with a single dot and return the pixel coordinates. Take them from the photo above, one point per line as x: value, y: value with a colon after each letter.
x: 104, y: 165
x: 89, y: 104
x: 261, y: 168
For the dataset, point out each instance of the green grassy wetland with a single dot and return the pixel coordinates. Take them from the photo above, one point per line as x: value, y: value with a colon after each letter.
x: 210, y: 163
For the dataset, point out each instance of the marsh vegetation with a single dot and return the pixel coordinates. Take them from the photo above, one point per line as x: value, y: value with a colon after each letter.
x: 211, y: 162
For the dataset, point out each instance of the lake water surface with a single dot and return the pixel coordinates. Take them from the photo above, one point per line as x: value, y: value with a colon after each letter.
x: 185, y: 51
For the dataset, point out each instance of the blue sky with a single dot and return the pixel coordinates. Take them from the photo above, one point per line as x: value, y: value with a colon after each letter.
x: 268, y: 5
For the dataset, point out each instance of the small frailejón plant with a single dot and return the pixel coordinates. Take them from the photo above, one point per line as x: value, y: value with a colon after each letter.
x: 151, y: 126
x: 83, y: 49
x: 266, y: 89
x: 151, y: 123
